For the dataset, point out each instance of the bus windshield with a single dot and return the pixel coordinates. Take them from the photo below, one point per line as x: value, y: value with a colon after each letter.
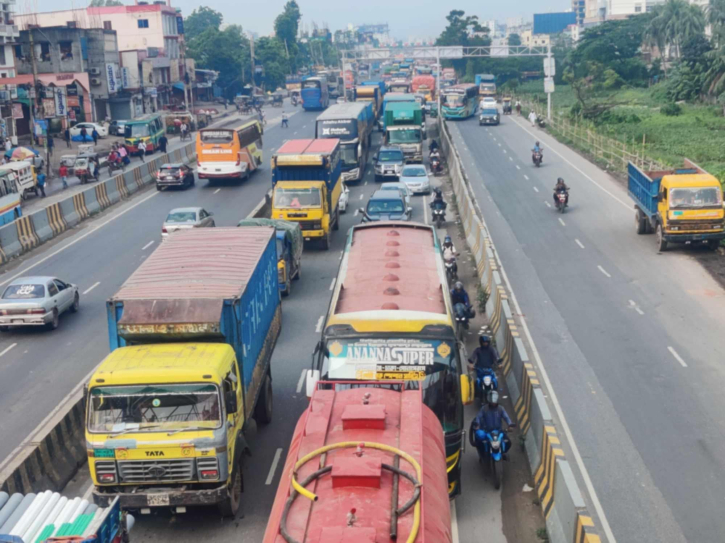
x: 311, y: 84
x: 454, y: 100
x: 136, y: 131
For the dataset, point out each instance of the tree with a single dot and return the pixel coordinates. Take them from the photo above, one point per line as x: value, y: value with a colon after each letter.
x: 716, y: 19
x: 286, y: 28
x: 514, y: 39
x: 226, y: 52
x: 270, y: 52
x: 200, y: 20
x: 672, y: 23
x: 461, y: 31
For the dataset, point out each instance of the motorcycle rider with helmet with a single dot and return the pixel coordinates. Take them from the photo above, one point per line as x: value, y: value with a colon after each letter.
x: 438, y: 202
x: 449, y: 256
x: 460, y: 300
x: 537, y: 149
x: 490, y: 417
x: 484, y: 360
x: 561, y: 187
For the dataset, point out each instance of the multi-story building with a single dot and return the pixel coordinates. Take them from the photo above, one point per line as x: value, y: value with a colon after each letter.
x: 621, y: 9
x: 8, y: 34
x: 529, y: 39
x: 153, y: 28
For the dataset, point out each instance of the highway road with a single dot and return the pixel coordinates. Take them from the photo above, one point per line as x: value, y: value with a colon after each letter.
x: 631, y: 339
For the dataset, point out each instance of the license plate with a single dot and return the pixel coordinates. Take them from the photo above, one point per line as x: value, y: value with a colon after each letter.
x: 18, y: 321
x: 169, y: 178
x: 217, y: 170
x: 157, y: 499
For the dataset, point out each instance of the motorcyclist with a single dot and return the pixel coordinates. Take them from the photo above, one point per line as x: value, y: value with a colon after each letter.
x: 485, y: 356
x: 438, y: 201
x: 490, y: 418
x: 460, y: 300
x: 449, y: 250
x: 537, y: 149
x: 561, y: 187
x: 433, y: 147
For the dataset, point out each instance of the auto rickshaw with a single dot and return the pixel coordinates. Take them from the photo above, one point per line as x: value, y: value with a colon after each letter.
x: 277, y: 100
x: 507, y: 105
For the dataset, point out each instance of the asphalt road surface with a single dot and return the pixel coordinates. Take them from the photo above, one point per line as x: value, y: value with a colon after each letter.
x: 631, y: 339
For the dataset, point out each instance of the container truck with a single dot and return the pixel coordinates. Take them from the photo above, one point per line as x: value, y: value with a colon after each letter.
x: 404, y: 127
x: 192, y: 333
x: 369, y: 93
x: 372, y: 468
x: 486, y: 85
x: 389, y: 98
x: 307, y: 182
x: 682, y: 205
x: 425, y: 84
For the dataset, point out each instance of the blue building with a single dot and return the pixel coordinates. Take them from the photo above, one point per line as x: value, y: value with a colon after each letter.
x: 553, y: 23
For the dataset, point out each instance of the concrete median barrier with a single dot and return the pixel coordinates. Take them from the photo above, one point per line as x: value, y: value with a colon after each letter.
x: 26, y: 233
x: 564, y: 508
x: 69, y: 212
x: 41, y: 225
x: 90, y: 201
x: 10, y: 242
x: 55, y: 219
x: 102, y: 194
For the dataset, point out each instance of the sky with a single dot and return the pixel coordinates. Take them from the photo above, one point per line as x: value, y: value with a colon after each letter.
x: 405, y: 18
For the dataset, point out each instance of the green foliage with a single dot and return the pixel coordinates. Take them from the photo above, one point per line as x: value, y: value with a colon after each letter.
x: 514, y: 39
x: 273, y: 56
x: 672, y: 23
x: 201, y: 19
x: 286, y: 28
x: 671, y: 110
x: 458, y: 32
x: 224, y: 51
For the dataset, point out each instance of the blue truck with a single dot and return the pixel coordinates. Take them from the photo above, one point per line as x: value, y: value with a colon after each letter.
x: 315, y: 93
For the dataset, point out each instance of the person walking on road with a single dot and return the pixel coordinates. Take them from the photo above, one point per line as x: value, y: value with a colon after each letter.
x: 532, y: 118
x: 163, y: 142
x: 50, y: 145
x: 94, y: 135
x: 142, y: 150
x: 84, y: 134
x: 63, y: 173
x: 41, y: 184
x: 285, y: 120
x: 184, y: 130
x: 66, y: 137
x: 8, y: 145
x: 123, y: 153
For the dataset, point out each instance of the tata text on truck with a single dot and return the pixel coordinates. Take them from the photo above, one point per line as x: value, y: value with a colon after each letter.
x: 351, y: 123
x: 307, y: 181
x: 404, y: 127
x: 390, y: 318
x: 315, y: 93
x: 375, y: 470
x: 683, y: 205
x: 192, y: 333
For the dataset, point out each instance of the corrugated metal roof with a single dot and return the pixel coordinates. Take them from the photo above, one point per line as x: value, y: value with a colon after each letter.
x: 199, y: 263
x: 308, y: 147
x: 394, y: 266
x: 346, y: 110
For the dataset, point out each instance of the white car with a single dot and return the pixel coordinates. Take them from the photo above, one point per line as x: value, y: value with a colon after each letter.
x: 183, y: 218
x: 344, y: 198
x: 400, y: 187
x: 415, y: 177
x: 76, y: 130
x: 488, y: 101
x: 37, y: 301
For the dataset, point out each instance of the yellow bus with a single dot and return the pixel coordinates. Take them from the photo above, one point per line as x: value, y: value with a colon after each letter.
x: 390, y: 318
x: 229, y: 152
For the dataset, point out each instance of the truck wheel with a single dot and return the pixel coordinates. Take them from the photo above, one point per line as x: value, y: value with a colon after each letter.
x: 326, y: 242
x: 661, y: 241
x: 337, y: 221
x: 230, y: 506
x: 263, y: 409
x: 287, y: 287
x: 640, y: 223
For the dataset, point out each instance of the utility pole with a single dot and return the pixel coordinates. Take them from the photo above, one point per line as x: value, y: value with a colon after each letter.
x: 438, y: 80
x: 38, y: 102
x: 254, y: 68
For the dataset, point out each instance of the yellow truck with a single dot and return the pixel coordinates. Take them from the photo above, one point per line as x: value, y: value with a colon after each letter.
x: 168, y: 410
x: 307, y: 183
x: 682, y: 205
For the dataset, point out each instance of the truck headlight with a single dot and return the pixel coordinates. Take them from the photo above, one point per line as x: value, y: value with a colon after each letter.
x: 673, y: 228
x: 280, y: 275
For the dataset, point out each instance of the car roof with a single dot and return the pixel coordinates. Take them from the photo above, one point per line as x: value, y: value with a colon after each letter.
x: 185, y: 209
x: 393, y: 184
x: 415, y: 166
x: 172, y: 165
x: 390, y: 148
x: 32, y: 279
x: 384, y: 195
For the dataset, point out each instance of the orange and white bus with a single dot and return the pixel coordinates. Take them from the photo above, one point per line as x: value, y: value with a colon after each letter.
x: 229, y: 152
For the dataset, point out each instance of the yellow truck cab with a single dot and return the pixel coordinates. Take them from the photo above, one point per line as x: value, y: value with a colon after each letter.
x: 306, y: 177
x: 683, y: 205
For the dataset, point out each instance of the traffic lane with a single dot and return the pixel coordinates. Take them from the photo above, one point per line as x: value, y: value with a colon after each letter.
x: 569, y: 346
x: 702, y: 476
x: 43, y: 366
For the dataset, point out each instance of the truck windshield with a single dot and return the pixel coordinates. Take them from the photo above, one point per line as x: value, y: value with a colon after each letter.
x: 297, y: 198
x: 348, y: 154
x: 405, y: 136
x: 143, y: 408
x: 683, y: 198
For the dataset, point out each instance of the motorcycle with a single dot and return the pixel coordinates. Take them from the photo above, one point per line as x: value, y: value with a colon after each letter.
x: 439, y: 217
x: 486, y: 381
x: 294, y: 101
x: 115, y: 166
x: 435, y: 164
x: 463, y: 316
x: 492, y: 447
x: 451, y: 270
x: 561, y: 198
x: 537, y: 158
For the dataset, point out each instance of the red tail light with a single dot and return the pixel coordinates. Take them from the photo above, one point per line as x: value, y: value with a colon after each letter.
x: 164, y: 231
x: 239, y: 159
x: 36, y: 311
x: 210, y: 474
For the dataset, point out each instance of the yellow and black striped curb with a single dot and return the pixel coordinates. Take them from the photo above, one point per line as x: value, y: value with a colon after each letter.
x: 79, y: 204
x: 26, y: 233
x: 585, y: 531
x: 55, y: 219
x: 121, y: 186
x: 102, y: 196
x: 544, y: 478
x: 138, y: 177
x: 523, y: 404
x: 495, y: 318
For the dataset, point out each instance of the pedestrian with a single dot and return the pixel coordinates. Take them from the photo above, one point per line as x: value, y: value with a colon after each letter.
x: 8, y: 145
x: 50, y: 145
x: 94, y: 135
x: 285, y: 120
x: 142, y: 150
x: 123, y: 153
x: 163, y: 142
x: 184, y: 130
x: 63, y: 173
x: 84, y: 134
x: 532, y: 118
x: 41, y: 184
x: 66, y: 137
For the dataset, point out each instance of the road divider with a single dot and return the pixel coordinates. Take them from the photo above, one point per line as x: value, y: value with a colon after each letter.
x: 565, y: 511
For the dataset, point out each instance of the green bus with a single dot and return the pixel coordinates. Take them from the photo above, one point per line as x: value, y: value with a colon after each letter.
x: 147, y: 128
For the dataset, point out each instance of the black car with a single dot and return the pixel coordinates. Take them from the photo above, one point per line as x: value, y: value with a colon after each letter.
x: 489, y: 116
x: 117, y: 128
x: 174, y: 175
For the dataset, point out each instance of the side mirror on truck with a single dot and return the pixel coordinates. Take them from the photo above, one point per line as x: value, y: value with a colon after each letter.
x: 230, y: 402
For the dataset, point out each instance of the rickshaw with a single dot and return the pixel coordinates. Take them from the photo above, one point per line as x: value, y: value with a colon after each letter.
x: 203, y: 119
x: 507, y: 105
x: 82, y: 167
x: 173, y: 127
x: 277, y: 100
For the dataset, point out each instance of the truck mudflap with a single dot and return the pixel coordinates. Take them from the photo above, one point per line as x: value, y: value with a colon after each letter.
x: 694, y: 238
x: 162, y: 497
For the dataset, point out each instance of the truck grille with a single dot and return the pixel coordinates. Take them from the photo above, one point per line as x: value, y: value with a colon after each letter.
x: 309, y: 225
x: 105, y: 467
x: 145, y: 471
x: 697, y: 225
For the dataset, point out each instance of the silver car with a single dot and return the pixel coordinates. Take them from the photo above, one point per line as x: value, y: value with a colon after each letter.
x: 415, y: 177
x: 37, y: 301
x: 183, y: 218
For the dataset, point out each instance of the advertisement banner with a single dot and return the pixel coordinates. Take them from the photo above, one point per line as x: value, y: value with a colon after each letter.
x: 49, y: 107
x: 61, y: 104
x: 125, y: 80
x: 112, y: 78
x: 73, y: 101
x: 17, y: 111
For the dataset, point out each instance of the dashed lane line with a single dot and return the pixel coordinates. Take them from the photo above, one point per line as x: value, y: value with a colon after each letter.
x: 605, y: 272
x: 677, y: 357
x: 579, y: 243
x: 562, y: 221
x: 273, y: 467
x: 149, y: 244
x: 94, y: 285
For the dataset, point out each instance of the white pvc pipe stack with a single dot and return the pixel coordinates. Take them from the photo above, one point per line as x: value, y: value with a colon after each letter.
x: 95, y: 524
x: 80, y: 507
x: 40, y: 518
x: 65, y: 514
x: 26, y: 520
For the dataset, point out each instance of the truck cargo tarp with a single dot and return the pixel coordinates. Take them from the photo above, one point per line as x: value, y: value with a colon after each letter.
x: 293, y: 232
x: 175, y: 319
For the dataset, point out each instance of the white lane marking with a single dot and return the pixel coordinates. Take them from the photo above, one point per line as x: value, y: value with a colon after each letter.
x: 87, y: 493
x: 518, y: 167
x: 505, y: 151
x: 562, y: 221
x: 318, y: 328
x: 511, y: 158
x: 332, y: 285
x: 70, y: 244
x: 365, y: 183
x: 425, y: 209
x: 8, y: 348
x: 547, y: 203
x: 273, y: 467
x: 454, y: 522
x: 526, y: 177
x: 579, y: 243
x: 301, y: 381
x: 94, y: 285
x: 149, y: 244
x: 634, y: 306
x: 356, y: 213
x: 603, y: 271
x: 537, y: 190
x: 361, y: 196
x: 499, y: 145
x: 217, y: 191
x: 294, y: 134
x: 677, y: 357
x: 605, y: 525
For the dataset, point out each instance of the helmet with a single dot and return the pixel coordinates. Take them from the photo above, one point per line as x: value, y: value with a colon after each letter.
x: 560, y: 180
x: 493, y: 398
x: 458, y: 285
x: 437, y: 191
x: 484, y: 339
x: 447, y: 240
x: 537, y: 143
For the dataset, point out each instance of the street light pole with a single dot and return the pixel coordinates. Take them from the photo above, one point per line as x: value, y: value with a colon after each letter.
x: 38, y: 101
